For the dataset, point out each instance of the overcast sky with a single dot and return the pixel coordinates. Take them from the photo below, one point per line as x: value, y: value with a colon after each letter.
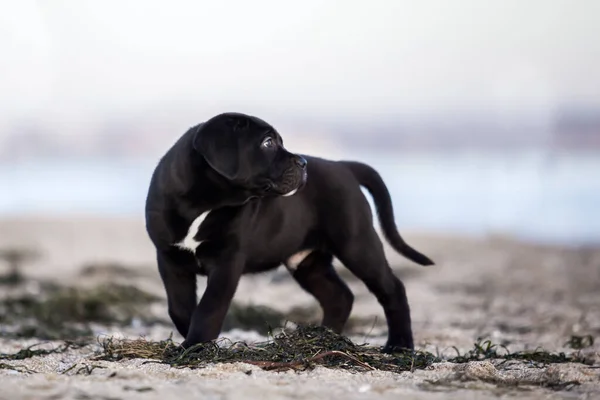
x: 73, y: 59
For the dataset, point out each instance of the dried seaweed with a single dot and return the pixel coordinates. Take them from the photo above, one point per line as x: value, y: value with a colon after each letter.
x: 30, y: 352
x: 486, y: 350
x: 302, y: 348
x: 306, y: 347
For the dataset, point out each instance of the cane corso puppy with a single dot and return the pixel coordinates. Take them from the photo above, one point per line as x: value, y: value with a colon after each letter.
x: 228, y: 199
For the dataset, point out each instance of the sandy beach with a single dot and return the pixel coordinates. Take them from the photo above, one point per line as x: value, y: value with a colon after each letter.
x: 520, y: 295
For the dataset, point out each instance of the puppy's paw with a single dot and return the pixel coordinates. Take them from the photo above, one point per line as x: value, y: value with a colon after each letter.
x: 399, y: 346
x: 187, y: 344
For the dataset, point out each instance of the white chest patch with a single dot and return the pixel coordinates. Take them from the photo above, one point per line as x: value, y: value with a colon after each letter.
x: 188, y: 242
x: 295, y: 260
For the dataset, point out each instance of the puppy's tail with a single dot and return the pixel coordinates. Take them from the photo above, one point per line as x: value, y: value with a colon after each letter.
x: 371, y: 180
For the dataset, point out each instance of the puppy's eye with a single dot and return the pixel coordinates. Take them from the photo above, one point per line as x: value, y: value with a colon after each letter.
x: 268, y: 143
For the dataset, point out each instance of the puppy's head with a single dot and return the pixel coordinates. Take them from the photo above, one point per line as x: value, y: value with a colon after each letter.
x: 249, y: 153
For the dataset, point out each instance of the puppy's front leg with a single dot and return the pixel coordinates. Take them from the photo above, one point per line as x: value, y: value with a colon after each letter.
x: 224, y: 273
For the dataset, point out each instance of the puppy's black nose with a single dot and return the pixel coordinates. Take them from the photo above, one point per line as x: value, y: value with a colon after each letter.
x: 300, y: 161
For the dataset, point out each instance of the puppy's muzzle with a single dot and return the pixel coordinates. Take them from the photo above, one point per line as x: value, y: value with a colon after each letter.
x: 294, y: 177
x: 301, y: 163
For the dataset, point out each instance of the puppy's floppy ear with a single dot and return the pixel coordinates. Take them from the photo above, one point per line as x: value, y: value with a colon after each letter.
x: 218, y: 143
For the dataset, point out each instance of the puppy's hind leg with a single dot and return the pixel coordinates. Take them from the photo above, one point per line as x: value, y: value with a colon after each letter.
x: 177, y: 270
x: 316, y: 275
x: 362, y: 253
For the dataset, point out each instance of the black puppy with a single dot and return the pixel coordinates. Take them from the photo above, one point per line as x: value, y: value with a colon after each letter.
x: 229, y: 199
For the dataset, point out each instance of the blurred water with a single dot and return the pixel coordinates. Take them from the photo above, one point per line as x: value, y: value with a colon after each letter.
x: 530, y: 194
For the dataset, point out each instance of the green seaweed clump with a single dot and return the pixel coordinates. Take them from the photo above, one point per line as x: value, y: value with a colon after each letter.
x: 307, y: 346
x: 64, y: 313
x: 302, y: 348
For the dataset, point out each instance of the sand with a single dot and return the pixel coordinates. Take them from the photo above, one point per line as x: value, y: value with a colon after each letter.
x: 518, y: 294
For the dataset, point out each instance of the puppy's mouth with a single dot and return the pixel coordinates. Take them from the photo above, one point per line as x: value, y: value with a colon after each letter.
x: 300, y: 185
x: 291, y: 182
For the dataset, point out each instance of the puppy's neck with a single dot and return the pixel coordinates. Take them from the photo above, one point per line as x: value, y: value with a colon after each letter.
x: 206, y: 190
x: 198, y: 188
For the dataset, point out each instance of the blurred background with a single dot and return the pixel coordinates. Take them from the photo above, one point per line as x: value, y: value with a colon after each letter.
x: 482, y: 116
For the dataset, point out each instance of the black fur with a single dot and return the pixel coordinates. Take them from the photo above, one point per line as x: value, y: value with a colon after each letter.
x: 225, y: 165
